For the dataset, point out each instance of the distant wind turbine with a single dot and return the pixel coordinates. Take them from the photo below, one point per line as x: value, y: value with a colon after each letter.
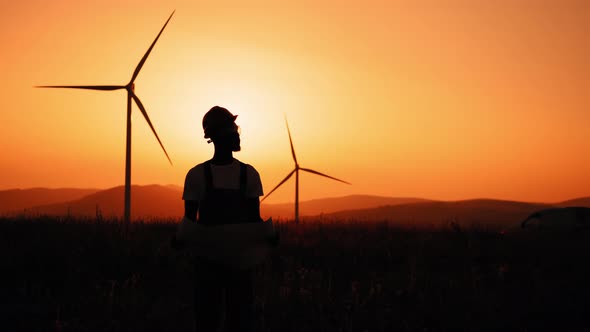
x: 296, y: 171
x: 130, y: 87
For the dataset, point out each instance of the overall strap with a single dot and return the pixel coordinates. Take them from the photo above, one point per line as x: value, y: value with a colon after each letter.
x: 243, y: 178
x: 208, y: 176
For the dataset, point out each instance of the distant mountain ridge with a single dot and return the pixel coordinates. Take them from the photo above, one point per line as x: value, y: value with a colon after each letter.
x: 147, y: 202
x: 486, y: 212
x: 582, y: 201
x: 165, y: 201
x: 16, y: 200
x: 334, y: 204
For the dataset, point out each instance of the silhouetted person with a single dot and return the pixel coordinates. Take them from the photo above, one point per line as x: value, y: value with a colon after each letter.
x: 221, y: 191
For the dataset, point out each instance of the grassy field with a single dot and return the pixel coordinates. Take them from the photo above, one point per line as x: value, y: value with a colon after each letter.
x: 89, y: 275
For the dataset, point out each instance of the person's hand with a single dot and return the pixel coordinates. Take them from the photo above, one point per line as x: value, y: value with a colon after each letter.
x: 176, y: 244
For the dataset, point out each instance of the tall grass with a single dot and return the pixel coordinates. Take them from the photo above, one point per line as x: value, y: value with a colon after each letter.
x: 64, y: 274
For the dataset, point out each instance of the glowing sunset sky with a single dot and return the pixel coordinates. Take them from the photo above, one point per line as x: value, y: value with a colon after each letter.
x: 436, y: 99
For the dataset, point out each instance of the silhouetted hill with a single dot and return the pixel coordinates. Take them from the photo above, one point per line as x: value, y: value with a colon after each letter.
x: 333, y: 204
x: 157, y: 201
x: 174, y: 187
x: 582, y: 201
x: 16, y: 200
x: 151, y: 201
x: 487, y: 212
x: 165, y: 201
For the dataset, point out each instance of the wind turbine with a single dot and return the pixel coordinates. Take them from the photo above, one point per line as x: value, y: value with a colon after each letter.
x: 296, y: 171
x: 130, y: 87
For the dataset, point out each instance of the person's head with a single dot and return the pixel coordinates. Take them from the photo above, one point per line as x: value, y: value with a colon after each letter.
x: 220, y: 128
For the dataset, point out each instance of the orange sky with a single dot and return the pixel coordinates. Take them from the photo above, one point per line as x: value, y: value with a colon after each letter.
x: 436, y: 99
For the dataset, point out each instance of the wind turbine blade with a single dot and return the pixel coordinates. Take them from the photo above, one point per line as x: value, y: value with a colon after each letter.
x: 278, y: 185
x: 140, y: 64
x: 147, y: 118
x: 322, y: 174
x: 86, y: 87
x: 291, y: 142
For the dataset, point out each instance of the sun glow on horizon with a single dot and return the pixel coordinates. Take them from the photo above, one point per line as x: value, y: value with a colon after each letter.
x: 438, y: 100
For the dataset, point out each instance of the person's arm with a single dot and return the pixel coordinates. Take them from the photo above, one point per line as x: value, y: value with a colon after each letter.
x: 253, y: 202
x: 254, y: 216
x: 190, y: 210
x: 253, y: 209
x: 193, y: 184
x: 254, y: 191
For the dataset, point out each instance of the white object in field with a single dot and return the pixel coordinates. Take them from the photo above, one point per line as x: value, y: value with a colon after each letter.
x: 234, y: 245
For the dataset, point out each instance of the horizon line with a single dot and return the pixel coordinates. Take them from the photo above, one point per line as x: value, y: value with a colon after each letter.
x: 312, y: 199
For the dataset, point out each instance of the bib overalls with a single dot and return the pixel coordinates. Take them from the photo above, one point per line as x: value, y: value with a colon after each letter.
x: 218, y: 286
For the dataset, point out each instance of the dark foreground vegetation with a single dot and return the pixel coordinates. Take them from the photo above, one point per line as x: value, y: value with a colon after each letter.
x: 88, y: 275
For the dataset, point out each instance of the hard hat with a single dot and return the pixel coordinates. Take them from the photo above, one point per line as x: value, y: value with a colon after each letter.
x: 217, y: 118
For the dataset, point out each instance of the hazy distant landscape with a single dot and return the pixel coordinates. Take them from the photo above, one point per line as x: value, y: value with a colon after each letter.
x: 164, y: 202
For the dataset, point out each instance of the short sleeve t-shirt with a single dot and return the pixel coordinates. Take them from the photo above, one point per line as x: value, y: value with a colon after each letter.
x: 224, y: 177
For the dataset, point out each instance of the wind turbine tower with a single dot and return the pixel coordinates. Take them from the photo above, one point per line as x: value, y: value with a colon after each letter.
x: 296, y: 171
x: 130, y: 88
